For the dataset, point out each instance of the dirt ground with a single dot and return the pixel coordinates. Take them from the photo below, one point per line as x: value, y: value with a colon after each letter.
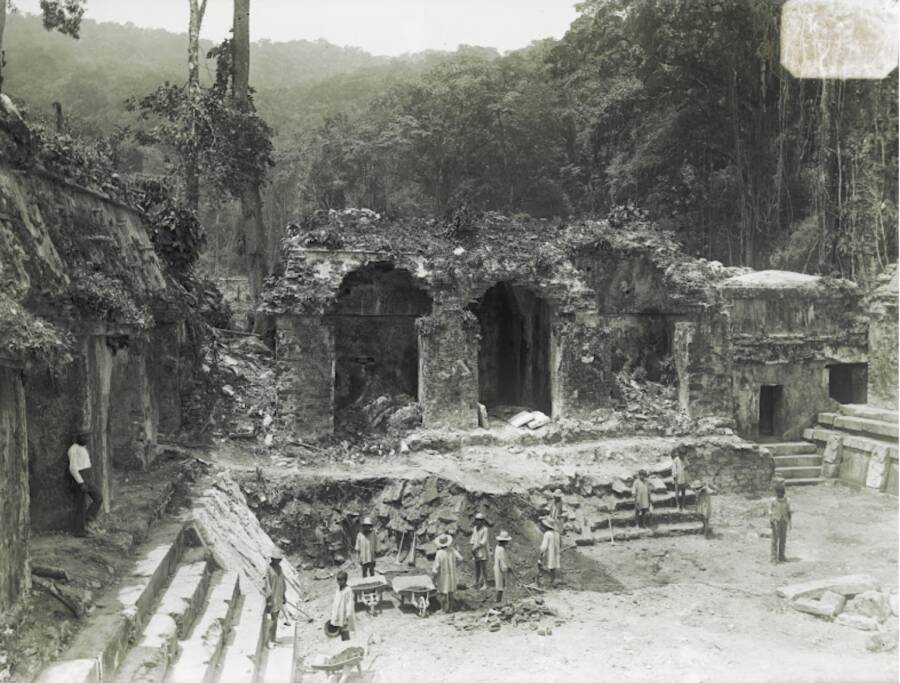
x: 675, y: 609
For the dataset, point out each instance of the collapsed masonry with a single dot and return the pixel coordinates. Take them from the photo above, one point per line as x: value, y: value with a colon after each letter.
x: 517, y: 312
x: 92, y: 338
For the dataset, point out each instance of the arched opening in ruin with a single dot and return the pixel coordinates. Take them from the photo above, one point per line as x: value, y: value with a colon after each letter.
x: 375, y: 339
x: 514, y: 354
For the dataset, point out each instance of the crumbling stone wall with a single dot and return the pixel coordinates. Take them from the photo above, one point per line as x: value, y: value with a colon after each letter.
x: 580, y: 362
x: 702, y: 356
x: 305, y: 374
x: 15, y: 577
x: 133, y: 414
x: 448, y: 367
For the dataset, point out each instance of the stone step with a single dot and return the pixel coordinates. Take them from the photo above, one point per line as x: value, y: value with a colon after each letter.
x: 657, y: 499
x: 868, y: 412
x: 861, y: 443
x: 871, y: 428
x: 632, y: 533
x: 244, y: 648
x: 98, y: 649
x: 806, y: 460
x: 790, y: 448
x: 804, y: 481
x: 201, y: 653
x: 826, y: 419
x: 788, y: 473
x: 149, y: 659
x: 664, y: 516
x: 278, y: 666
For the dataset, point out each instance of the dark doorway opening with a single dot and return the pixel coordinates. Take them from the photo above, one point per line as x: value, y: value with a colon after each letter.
x: 514, y: 356
x: 848, y: 382
x: 771, y: 409
x: 375, y: 338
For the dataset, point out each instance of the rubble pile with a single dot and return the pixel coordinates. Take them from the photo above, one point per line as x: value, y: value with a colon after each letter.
x: 529, y: 613
x: 856, y: 601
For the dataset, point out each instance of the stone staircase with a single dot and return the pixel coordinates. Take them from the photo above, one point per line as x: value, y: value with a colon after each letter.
x: 177, y: 618
x: 858, y: 444
x: 593, y: 525
x: 798, y: 463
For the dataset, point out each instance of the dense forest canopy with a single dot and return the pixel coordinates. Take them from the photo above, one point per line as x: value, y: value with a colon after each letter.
x: 676, y: 108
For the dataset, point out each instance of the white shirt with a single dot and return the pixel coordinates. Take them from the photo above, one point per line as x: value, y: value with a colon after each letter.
x: 79, y: 459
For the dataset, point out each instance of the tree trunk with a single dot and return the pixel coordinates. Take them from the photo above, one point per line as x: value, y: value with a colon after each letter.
x: 3, y: 9
x: 252, y: 224
x: 191, y: 170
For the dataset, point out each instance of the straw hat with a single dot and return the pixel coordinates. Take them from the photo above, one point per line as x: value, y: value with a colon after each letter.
x: 557, y: 493
x: 331, y: 631
x: 697, y: 485
x: 276, y: 554
x: 480, y: 517
x: 503, y: 536
x: 549, y: 522
x: 443, y: 541
x: 367, y: 521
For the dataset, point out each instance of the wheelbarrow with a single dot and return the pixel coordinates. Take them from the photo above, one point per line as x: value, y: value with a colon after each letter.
x: 368, y: 590
x: 338, y: 669
x: 418, y: 589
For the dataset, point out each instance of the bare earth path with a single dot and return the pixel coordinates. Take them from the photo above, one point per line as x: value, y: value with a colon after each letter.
x: 691, y: 609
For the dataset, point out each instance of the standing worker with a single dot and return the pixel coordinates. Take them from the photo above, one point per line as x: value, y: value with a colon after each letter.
x: 704, y: 505
x: 366, y: 547
x: 501, y: 564
x: 679, y: 476
x: 81, y: 473
x: 556, y: 505
x: 641, y: 492
x: 780, y: 521
x: 343, y: 607
x: 479, y: 542
x: 444, y: 569
x: 549, y: 560
x: 275, y: 587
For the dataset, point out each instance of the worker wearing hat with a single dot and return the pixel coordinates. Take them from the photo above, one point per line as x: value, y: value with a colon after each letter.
x: 444, y: 570
x: 479, y: 543
x: 641, y: 491
x: 780, y: 521
x: 550, y: 554
x: 501, y: 564
x: 556, y: 505
x: 367, y: 547
x: 82, y: 477
x: 274, y: 593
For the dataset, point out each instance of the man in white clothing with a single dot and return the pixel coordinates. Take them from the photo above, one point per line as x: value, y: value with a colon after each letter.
x: 343, y: 608
x: 80, y: 471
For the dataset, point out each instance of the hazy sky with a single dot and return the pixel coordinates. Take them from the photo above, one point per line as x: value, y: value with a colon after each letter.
x: 384, y: 27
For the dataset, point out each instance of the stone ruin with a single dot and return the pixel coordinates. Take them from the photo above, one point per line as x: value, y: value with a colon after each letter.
x: 541, y: 315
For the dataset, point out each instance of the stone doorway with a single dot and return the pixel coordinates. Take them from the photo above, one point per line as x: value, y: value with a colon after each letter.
x: 514, y: 353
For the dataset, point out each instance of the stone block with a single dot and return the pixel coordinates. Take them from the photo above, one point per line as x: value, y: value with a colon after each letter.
x: 827, y: 607
x: 878, y: 469
x: 882, y: 642
x: 872, y: 604
x: 522, y: 419
x: 853, y: 584
x: 893, y: 603
x: 857, y: 621
x: 832, y: 453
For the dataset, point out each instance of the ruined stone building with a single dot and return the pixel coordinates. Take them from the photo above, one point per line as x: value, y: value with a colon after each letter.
x: 92, y: 333
x: 541, y: 315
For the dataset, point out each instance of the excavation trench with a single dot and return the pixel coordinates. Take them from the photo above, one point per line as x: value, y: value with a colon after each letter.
x: 316, y: 520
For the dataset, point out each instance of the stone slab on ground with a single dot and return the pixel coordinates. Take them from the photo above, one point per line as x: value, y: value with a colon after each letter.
x: 857, y: 621
x: 872, y: 604
x: 827, y: 607
x: 852, y: 584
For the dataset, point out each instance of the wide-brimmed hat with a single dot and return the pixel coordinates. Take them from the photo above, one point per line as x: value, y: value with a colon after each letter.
x: 480, y: 517
x: 443, y: 541
x: 367, y: 521
x: 276, y: 554
x: 642, y: 472
x: 330, y: 630
x: 557, y: 493
x: 697, y: 485
x: 503, y: 536
x: 549, y: 522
